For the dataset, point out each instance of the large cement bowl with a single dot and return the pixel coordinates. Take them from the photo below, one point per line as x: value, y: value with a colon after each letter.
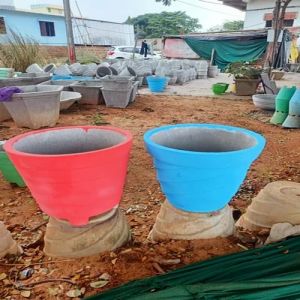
x: 264, y: 101
x: 74, y: 173
x: 200, y: 167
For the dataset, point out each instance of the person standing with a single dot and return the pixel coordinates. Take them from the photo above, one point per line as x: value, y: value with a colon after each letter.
x: 144, y: 48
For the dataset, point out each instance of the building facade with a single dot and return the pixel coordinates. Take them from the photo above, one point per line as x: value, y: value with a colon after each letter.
x: 46, y: 25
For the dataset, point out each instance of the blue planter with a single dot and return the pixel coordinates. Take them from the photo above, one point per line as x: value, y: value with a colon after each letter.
x: 70, y: 77
x: 200, y: 167
x: 156, y: 84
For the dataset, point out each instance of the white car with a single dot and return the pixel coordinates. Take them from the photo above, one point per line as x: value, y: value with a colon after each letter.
x: 126, y: 52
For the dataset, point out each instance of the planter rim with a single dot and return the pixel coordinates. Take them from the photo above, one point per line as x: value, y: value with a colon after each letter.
x: 9, y: 144
x: 19, y: 95
x: 260, y: 140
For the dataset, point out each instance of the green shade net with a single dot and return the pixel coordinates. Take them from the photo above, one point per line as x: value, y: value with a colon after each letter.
x: 271, y: 272
x: 228, y: 51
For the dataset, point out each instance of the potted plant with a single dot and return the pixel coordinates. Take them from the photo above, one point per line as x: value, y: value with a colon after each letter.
x: 247, y: 77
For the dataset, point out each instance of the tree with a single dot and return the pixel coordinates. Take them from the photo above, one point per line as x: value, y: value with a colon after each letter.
x: 165, y: 2
x: 228, y: 26
x: 164, y: 23
x: 233, y: 25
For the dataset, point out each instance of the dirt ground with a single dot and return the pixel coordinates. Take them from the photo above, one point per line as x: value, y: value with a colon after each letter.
x: 53, y: 278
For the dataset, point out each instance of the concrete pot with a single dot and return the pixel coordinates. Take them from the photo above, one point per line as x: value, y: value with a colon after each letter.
x: 63, y: 70
x: 103, y: 71
x: 74, y: 173
x: 282, y: 104
x: 65, y: 83
x: 106, y: 232
x: 277, y: 75
x: 8, y: 245
x: 134, y: 91
x: 293, y: 119
x: 117, y: 83
x: 200, y: 167
x: 117, y: 98
x: 4, y: 114
x: 264, y: 101
x: 90, y: 91
x: 38, y: 106
x: 8, y: 170
x: 34, y: 68
x: 278, y: 202
x: 246, y: 87
x: 67, y: 99
x: 50, y: 68
x: 172, y: 223
x: 23, y: 81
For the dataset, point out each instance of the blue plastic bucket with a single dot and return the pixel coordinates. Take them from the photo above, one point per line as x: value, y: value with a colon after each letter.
x: 200, y: 167
x: 156, y: 84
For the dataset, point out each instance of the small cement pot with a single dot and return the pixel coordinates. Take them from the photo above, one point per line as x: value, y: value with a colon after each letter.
x: 4, y: 114
x: 172, y: 223
x: 34, y: 68
x: 106, y: 232
x: 278, y: 202
x: 38, y: 106
x: 67, y: 99
x: 90, y: 91
x: 8, y: 245
x: 65, y: 83
x: 246, y: 87
x: 74, y: 173
x: 264, y: 101
x: 200, y: 167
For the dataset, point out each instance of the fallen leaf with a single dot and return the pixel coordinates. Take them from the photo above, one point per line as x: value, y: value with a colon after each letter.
x: 105, y: 276
x: 53, y: 291
x: 99, y: 284
x: 114, y: 261
x: 26, y: 294
x: 74, y: 293
x: 3, y: 276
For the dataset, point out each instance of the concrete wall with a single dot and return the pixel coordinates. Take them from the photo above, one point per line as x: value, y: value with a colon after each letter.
x: 28, y: 24
x: 256, y: 10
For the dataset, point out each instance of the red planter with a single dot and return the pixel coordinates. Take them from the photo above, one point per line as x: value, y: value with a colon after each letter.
x: 74, y: 173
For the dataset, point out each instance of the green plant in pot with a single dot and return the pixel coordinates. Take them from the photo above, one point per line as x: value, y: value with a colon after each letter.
x: 247, y: 77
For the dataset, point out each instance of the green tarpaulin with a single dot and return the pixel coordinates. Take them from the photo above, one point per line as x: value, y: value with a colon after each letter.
x: 271, y: 272
x: 228, y: 51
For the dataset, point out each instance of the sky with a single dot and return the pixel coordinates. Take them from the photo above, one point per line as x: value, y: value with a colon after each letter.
x: 209, y: 15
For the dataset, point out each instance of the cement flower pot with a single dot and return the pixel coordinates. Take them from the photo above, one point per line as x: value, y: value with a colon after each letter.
x: 65, y: 83
x: 38, y: 106
x: 8, y: 170
x: 74, y: 173
x: 4, y: 114
x: 246, y: 87
x: 90, y: 91
x: 67, y: 99
x: 264, y: 101
x: 282, y: 104
x: 293, y: 119
x: 22, y: 80
x: 200, y: 167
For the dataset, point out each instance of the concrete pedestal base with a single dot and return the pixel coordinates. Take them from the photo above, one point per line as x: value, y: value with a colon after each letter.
x: 172, y: 223
x: 278, y: 202
x: 7, y: 244
x: 103, y: 233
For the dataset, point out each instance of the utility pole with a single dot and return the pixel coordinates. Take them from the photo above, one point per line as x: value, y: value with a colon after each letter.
x: 69, y: 29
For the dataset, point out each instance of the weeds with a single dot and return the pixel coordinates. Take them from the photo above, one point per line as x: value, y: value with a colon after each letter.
x: 19, y: 51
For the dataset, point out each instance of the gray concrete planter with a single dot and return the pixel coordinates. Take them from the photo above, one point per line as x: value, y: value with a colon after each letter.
x: 4, y: 114
x: 264, y: 101
x: 65, y: 83
x: 22, y: 80
x: 90, y: 91
x: 38, y: 106
x: 67, y: 99
x: 117, y: 98
x: 117, y: 82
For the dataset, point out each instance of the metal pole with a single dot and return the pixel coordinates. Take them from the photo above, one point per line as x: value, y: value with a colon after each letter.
x: 69, y: 29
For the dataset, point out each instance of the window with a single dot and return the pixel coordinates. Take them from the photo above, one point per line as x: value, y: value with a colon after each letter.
x: 269, y: 24
x: 286, y: 23
x: 2, y: 26
x: 47, y: 28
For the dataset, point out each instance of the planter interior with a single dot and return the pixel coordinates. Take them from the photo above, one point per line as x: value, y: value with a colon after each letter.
x: 73, y: 173
x: 68, y: 141
x: 203, y: 140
